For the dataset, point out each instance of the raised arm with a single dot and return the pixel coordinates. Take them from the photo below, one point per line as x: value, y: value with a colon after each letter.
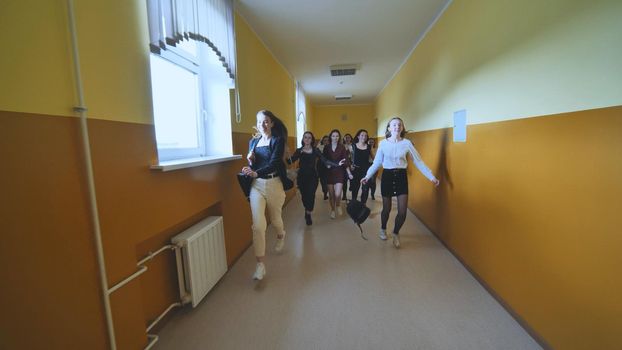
x: 250, y: 156
x: 294, y: 157
x: 323, y: 159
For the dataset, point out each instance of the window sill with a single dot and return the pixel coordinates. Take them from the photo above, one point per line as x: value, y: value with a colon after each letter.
x: 192, y: 162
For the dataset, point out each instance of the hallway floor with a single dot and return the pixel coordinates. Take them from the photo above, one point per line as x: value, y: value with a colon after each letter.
x: 330, y: 289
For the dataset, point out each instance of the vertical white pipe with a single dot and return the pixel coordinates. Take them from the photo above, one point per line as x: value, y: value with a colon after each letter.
x: 238, y: 108
x: 81, y: 110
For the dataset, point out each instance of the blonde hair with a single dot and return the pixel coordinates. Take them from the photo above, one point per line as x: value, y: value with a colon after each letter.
x: 387, y: 133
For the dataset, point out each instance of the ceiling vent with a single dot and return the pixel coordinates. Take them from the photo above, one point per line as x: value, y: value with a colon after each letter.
x: 343, y: 97
x: 344, y: 69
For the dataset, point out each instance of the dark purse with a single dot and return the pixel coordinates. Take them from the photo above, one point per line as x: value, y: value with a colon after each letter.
x: 359, y: 213
x: 245, y: 184
x: 287, y: 183
x: 246, y: 181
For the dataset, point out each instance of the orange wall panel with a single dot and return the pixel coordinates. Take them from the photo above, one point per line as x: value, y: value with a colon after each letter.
x: 532, y: 207
x: 49, y: 270
x: 141, y: 209
x: 49, y: 284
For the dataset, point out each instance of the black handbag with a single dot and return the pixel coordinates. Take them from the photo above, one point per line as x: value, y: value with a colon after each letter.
x: 246, y: 181
x: 359, y: 213
x: 245, y: 184
x: 287, y: 183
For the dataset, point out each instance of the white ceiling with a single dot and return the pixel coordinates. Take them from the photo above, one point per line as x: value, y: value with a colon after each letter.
x: 308, y: 36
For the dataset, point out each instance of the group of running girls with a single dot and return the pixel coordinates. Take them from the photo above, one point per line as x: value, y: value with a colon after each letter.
x: 337, y: 164
x: 332, y: 163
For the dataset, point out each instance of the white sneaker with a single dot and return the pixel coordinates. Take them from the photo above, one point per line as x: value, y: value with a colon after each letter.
x: 332, y: 214
x: 260, y: 272
x: 339, y: 211
x: 383, y: 235
x: 396, y: 241
x: 280, y: 243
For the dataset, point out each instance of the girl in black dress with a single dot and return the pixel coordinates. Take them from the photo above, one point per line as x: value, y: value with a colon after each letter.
x: 361, y: 160
x: 307, y: 180
x: 347, y: 143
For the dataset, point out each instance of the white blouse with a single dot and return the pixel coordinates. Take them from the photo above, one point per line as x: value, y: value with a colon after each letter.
x: 392, y: 155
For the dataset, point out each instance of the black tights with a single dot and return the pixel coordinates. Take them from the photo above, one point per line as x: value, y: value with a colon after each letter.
x: 402, y: 203
x: 355, y: 185
x: 307, y: 186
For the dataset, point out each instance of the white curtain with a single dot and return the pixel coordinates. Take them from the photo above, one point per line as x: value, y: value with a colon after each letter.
x: 301, y: 104
x: 301, y: 112
x: 209, y: 21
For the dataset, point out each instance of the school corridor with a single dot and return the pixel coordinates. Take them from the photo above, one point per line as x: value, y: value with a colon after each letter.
x: 330, y: 289
x: 124, y: 124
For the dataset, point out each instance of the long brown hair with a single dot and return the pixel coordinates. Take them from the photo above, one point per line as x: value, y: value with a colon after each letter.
x: 302, y: 142
x: 358, y: 134
x: 330, y: 136
x: 278, y: 127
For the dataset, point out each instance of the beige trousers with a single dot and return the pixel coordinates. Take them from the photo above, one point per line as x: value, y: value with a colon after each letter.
x: 266, y: 192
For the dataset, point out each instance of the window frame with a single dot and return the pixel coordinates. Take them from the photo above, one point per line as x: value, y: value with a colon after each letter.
x: 203, y: 68
x: 184, y: 60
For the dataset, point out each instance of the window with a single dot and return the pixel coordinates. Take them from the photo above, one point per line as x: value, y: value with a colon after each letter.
x: 191, y: 106
x: 300, y: 127
x: 301, y: 111
x: 192, y: 66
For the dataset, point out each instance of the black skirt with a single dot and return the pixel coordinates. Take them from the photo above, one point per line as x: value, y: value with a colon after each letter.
x: 394, y: 182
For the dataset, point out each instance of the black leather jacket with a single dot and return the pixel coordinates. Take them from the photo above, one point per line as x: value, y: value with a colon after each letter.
x: 276, y: 163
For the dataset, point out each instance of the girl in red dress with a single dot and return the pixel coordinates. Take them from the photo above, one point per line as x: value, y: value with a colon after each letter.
x: 336, y: 152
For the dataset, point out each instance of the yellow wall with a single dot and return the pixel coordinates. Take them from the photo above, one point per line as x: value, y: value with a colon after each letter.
x: 30, y: 84
x: 529, y: 201
x: 503, y: 60
x: 310, y: 116
x: 263, y: 82
x: 50, y: 285
x: 326, y: 118
x: 38, y: 76
x: 114, y: 62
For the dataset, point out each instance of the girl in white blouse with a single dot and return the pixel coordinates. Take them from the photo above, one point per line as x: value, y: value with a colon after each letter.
x: 391, y: 155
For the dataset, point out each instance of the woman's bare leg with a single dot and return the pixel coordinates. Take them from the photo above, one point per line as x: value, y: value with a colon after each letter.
x: 331, y: 196
x: 338, y: 191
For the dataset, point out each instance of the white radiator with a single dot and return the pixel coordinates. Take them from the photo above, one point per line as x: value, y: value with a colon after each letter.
x: 201, y: 259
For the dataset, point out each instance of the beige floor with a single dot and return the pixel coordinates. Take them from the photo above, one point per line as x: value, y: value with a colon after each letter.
x: 329, y: 289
